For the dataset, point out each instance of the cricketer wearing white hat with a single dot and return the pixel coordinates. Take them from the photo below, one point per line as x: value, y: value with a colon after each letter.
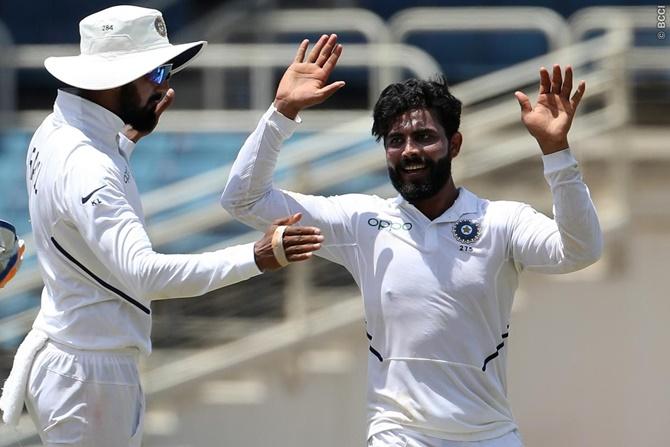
x: 119, y: 45
x: 77, y: 368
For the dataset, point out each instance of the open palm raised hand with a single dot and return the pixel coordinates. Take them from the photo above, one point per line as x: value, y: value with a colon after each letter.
x: 550, y: 120
x: 304, y: 82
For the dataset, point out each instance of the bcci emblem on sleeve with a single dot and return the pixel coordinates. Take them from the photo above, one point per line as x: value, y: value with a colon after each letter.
x: 466, y: 231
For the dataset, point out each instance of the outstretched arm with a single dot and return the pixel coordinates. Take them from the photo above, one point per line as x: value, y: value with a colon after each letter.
x: 117, y: 237
x: 250, y: 195
x: 573, y: 239
x: 550, y: 120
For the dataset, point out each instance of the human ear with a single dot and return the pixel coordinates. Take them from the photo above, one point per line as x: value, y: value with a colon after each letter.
x: 455, y: 143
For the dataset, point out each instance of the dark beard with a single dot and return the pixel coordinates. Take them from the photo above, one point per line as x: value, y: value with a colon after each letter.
x: 142, y: 119
x: 439, y: 173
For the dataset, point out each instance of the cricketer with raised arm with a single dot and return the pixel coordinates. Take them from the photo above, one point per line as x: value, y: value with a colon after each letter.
x: 437, y: 265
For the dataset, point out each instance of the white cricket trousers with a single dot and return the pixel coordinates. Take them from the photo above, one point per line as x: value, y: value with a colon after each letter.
x: 407, y: 438
x: 86, y: 398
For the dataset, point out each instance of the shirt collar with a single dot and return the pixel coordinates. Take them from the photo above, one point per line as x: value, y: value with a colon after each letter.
x: 96, y: 122
x: 466, y: 203
x: 126, y: 146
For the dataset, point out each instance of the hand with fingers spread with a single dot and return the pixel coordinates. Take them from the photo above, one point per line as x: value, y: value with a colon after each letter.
x: 166, y: 101
x: 550, y: 120
x: 304, y: 82
x: 283, y: 243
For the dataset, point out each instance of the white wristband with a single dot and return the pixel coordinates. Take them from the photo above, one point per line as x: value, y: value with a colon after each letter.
x: 278, y: 245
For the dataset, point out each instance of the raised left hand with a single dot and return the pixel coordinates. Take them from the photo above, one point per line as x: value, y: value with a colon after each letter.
x: 135, y: 135
x: 550, y: 120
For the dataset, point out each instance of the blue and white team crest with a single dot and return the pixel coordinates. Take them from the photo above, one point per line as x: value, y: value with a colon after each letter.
x: 466, y: 231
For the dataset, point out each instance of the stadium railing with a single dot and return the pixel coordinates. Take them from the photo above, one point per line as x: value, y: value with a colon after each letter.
x: 588, y: 21
x: 508, y: 18
x: 304, y: 21
x: 219, y: 57
x: 600, y: 18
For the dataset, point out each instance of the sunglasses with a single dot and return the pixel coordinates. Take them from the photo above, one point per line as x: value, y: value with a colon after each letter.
x: 159, y: 74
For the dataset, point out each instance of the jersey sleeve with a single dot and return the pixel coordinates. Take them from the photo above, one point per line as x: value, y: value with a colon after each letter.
x: 251, y: 197
x: 569, y: 242
x: 96, y: 203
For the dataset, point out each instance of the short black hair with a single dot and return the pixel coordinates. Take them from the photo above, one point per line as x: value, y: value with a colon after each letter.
x: 412, y: 94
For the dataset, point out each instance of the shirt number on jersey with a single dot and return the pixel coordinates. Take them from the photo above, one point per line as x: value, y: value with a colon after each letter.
x: 465, y: 248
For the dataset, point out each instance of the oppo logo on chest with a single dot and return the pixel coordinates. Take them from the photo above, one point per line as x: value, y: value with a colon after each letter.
x: 382, y: 224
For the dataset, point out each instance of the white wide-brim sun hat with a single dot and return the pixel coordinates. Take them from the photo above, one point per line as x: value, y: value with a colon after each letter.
x: 119, y: 45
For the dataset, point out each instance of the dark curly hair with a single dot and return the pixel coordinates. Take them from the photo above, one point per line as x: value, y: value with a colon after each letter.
x: 411, y: 94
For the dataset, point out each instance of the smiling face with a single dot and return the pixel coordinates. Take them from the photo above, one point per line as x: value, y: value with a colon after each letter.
x: 418, y: 154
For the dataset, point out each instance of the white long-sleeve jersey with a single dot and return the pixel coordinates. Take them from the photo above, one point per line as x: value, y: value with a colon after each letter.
x: 437, y: 294
x: 99, y: 269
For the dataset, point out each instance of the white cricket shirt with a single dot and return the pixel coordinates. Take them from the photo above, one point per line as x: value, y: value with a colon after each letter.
x: 437, y: 308
x: 99, y: 269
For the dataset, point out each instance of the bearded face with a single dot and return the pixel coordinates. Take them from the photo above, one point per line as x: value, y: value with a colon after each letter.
x: 141, y: 115
x: 419, y: 178
x: 417, y: 155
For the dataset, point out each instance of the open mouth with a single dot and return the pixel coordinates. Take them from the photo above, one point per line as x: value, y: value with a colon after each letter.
x: 414, y: 167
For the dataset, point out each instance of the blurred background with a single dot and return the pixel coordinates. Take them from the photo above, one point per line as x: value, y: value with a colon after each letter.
x: 281, y: 359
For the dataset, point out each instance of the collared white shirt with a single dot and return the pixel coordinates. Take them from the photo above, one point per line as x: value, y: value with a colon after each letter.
x: 437, y: 294
x: 99, y: 269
